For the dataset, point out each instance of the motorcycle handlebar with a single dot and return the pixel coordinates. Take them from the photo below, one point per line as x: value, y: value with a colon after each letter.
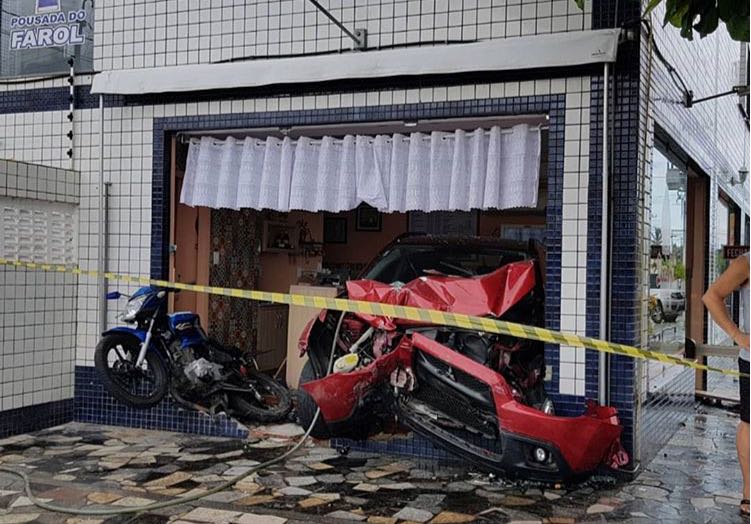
x: 114, y: 295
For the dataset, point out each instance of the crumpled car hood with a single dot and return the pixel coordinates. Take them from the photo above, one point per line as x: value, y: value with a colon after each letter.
x: 487, y: 295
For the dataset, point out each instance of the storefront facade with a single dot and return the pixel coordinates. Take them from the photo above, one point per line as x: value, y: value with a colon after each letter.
x: 141, y: 134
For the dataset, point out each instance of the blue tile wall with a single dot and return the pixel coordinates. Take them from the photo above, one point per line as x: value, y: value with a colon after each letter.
x: 94, y: 404
x: 625, y: 310
x: 51, y: 99
x: 408, y: 446
x: 594, y: 230
x: 36, y: 417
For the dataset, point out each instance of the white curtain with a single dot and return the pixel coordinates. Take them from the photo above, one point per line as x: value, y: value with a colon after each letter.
x: 486, y: 168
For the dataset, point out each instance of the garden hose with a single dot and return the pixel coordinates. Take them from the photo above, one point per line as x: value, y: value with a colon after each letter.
x: 156, y: 505
x: 178, y: 501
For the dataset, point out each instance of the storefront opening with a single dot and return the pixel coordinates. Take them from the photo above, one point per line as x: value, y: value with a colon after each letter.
x: 312, y: 252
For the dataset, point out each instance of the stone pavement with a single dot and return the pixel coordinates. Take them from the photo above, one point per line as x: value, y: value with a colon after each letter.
x: 694, y: 479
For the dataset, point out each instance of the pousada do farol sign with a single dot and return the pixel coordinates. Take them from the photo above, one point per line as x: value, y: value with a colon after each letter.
x: 47, y: 30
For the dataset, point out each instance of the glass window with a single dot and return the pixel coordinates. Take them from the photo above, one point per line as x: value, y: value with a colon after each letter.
x: 406, y: 262
x: 725, y: 234
x: 723, y: 230
x: 667, y: 268
x: 38, y: 37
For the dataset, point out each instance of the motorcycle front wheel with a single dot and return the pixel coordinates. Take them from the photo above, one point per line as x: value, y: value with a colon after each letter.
x: 264, y: 399
x: 139, y: 387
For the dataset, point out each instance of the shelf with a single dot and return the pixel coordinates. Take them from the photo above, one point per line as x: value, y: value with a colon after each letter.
x: 273, y: 232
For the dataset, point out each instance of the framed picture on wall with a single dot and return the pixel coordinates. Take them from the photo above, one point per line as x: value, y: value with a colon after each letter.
x: 368, y: 218
x: 335, y: 230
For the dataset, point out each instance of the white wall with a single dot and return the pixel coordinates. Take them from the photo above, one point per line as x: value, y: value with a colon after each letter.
x: 38, y: 216
x: 142, y: 33
x: 134, y: 34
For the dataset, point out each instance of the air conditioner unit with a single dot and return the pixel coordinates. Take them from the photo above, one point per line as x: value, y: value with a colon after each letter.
x: 676, y: 179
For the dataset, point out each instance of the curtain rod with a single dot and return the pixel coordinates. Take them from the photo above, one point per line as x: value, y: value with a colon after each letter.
x: 185, y: 138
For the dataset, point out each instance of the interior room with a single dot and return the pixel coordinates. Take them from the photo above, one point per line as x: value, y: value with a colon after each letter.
x: 314, y: 252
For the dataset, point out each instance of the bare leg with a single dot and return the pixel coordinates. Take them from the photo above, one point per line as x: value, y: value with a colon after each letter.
x: 742, y: 445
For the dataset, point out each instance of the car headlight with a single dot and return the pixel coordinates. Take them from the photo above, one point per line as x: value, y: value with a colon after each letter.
x: 133, y: 307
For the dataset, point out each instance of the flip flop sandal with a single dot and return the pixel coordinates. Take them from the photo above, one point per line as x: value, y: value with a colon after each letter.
x: 744, y: 510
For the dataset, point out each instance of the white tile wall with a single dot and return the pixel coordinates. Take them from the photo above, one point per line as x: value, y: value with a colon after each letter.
x: 37, y: 336
x: 128, y: 167
x: 141, y: 33
x: 574, y: 232
x: 37, y: 309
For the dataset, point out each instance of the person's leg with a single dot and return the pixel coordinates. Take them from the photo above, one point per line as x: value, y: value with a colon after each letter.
x: 742, y: 435
x: 741, y: 443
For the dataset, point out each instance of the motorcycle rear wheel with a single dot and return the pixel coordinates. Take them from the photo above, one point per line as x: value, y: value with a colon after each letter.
x: 114, y: 360
x: 276, y: 403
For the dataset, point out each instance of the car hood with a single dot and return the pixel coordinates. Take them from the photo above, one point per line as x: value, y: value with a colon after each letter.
x: 487, y: 295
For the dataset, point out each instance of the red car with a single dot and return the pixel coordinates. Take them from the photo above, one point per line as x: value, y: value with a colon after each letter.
x: 479, y: 395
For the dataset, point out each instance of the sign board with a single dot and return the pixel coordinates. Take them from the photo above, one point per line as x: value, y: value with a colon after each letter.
x: 45, y: 6
x: 730, y: 252
x: 49, y: 27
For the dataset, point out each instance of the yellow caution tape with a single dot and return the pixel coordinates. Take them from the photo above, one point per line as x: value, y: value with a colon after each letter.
x: 431, y: 316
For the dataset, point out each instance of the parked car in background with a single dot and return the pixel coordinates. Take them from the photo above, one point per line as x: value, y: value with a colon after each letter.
x: 479, y: 395
x: 666, y: 304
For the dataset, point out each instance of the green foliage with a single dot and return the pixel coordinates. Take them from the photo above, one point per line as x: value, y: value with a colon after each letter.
x: 703, y: 16
x: 679, y: 271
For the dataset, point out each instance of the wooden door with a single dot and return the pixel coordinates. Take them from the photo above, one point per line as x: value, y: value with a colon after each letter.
x: 697, y: 218
x: 190, y: 232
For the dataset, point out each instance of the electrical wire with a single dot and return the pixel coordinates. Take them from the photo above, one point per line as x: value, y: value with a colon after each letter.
x: 36, y: 79
x: 345, y: 51
x: 180, y: 500
x: 675, y: 76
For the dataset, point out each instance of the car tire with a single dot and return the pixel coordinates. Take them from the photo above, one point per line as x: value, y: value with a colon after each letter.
x: 670, y: 318
x: 307, y: 407
x: 657, y: 314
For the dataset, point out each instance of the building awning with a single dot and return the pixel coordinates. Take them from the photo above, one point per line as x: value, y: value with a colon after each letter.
x: 555, y: 50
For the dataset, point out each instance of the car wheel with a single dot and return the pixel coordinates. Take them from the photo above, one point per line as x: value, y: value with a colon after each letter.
x: 307, y: 407
x: 657, y: 314
x: 671, y: 318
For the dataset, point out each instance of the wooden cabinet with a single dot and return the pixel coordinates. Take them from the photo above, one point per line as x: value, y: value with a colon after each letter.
x: 298, y: 318
x: 271, y: 345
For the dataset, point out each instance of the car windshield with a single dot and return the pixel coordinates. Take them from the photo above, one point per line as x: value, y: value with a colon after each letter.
x: 404, y: 262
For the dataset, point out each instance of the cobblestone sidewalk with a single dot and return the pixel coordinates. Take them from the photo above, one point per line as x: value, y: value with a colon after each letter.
x: 695, y: 478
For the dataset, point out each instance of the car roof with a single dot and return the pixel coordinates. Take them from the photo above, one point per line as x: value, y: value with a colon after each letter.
x: 461, y: 240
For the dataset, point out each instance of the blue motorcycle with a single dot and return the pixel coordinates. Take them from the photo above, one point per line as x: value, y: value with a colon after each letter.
x: 165, y: 353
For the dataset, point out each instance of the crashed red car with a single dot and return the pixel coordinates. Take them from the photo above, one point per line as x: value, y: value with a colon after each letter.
x: 479, y: 395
